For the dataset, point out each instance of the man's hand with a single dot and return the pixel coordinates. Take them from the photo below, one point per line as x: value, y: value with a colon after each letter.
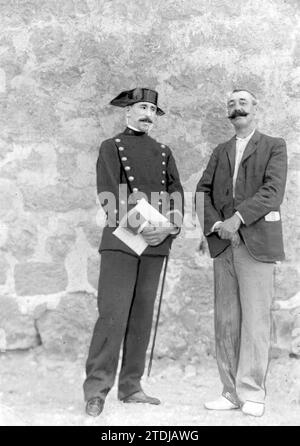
x: 235, y: 240
x: 154, y: 235
x: 229, y: 227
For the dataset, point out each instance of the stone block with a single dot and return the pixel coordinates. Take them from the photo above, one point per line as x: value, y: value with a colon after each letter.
x: 18, y: 330
x: 66, y: 164
x: 3, y: 233
x: 81, y: 132
x: 177, y: 10
x: 33, y: 162
x: 59, y: 198
x: 92, y: 232
x: 59, y: 245
x: 60, y: 78
x: 47, y: 42
x: 35, y: 112
x: 68, y: 9
x: 22, y: 238
x: 286, y: 280
x: 296, y: 53
x: 5, y: 148
x: 292, y: 85
x: 282, y: 330
x: 66, y: 331
x: 4, y: 266
x: 2, y: 81
x: 10, y: 200
x: 34, y: 278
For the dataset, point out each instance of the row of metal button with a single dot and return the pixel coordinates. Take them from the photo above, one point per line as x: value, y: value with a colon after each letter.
x: 128, y: 168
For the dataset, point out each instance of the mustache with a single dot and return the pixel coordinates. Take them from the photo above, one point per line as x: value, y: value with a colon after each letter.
x: 236, y: 113
x: 146, y: 120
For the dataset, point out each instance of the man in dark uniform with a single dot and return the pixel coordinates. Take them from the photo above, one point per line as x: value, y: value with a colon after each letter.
x: 128, y: 283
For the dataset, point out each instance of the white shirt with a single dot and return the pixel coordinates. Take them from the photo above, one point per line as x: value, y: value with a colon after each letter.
x: 241, y: 144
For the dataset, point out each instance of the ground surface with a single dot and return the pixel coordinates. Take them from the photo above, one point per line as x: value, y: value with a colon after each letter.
x: 41, y: 391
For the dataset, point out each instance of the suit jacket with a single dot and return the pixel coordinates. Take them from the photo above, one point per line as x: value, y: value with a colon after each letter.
x: 142, y: 165
x: 259, y: 190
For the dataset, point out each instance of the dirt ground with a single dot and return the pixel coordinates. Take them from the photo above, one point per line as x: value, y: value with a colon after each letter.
x: 40, y: 391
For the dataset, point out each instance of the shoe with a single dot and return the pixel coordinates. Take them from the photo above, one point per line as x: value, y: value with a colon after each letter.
x: 254, y: 409
x: 221, y: 403
x: 141, y: 397
x: 94, y: 406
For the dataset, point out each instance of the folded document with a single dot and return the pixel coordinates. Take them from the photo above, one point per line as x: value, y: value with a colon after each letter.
x: 142, y: 213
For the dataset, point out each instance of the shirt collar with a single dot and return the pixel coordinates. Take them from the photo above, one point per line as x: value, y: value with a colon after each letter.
x: 247, y: 137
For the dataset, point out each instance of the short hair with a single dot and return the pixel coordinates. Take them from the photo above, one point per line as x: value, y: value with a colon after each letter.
x: 254, y: 98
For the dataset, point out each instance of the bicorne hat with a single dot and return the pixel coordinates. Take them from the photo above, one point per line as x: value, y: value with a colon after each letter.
x: 131, y: 97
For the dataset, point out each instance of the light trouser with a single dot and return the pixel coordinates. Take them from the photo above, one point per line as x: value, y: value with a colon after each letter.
x: 243, y: 297
x: 127, y: 291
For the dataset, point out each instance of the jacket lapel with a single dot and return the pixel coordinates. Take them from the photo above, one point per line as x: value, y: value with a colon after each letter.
x: 251, y: 146
x: 230, y: 151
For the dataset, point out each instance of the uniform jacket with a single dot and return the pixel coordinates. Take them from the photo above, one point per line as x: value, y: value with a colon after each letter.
x: 259, y: 190
x: 137, y: 161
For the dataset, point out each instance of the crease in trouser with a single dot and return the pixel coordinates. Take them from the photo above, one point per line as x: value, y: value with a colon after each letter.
x: 227, y: 323
x: 243, y: 294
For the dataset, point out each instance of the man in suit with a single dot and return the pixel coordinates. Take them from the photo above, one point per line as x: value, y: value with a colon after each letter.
x: 128, y: 283
x: 243, y: 186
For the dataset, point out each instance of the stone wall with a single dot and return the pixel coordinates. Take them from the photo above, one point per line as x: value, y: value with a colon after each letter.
x: 61, y: 62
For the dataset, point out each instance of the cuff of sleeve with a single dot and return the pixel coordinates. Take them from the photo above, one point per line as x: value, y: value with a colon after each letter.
x: 214, y: 226
x: 175, y: 217
x: 212, y: 229
x: 240, y: 217
x: 142, y: 226
x: 175, y: 231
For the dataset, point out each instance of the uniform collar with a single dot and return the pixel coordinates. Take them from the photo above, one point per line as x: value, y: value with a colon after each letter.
x: 133, y: 131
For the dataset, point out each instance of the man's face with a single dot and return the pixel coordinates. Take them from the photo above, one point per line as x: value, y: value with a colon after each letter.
x: 141, y: 116
x: 241, y: 109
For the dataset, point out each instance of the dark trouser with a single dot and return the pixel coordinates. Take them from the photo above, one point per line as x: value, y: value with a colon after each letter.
x: 243, y: 296
x: 127, y: 291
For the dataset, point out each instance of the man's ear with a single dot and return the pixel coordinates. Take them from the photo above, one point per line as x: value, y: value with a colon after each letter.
x: 127, y: 114
x: 256, y: 109
x: 256, y: 105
